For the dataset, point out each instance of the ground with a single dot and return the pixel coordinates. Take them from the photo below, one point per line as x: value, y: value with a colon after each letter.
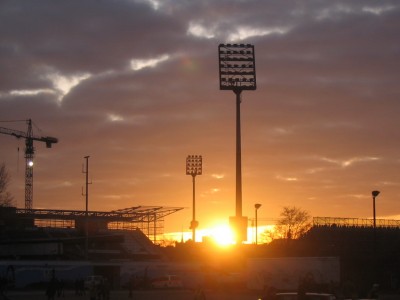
x: 140, y: 295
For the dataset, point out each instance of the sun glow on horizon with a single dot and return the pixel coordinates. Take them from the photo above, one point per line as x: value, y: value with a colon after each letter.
x: 221, y: 235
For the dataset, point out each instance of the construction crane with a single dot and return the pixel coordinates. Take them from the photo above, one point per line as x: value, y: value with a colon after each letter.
x: 29, y: 154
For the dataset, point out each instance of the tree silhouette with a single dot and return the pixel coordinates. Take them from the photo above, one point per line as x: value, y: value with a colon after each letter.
x: 293, y: 222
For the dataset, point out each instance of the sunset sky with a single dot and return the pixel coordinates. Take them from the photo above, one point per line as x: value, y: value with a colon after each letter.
x: 134, y: 85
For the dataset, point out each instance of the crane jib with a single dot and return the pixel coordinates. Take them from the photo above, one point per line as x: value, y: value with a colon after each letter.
x: 47, y: 139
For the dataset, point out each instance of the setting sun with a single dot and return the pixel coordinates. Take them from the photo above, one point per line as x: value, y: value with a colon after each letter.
x: 222, y: 235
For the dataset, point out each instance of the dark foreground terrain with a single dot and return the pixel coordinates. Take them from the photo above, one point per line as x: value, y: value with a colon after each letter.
x: 139, y: 295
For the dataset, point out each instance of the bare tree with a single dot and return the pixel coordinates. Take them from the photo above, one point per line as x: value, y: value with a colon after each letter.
x: 5, y: 197
x: 293, y: 222
x: 268, y: 235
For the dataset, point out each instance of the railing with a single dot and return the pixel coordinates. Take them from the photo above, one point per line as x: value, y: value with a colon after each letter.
x: 354, y: 222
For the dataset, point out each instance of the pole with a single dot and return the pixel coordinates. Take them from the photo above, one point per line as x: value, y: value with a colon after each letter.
x: 256, y: 228
x: 194, y: 209
x: 148, y: 225
x: 373, y: 205
x: 374, y: 241
x: 375, y: 255
x: 155, y: 228
x: 87, y: 209
x: 238, y: 156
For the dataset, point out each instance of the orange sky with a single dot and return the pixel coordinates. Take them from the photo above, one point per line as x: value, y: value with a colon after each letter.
x: 134, y: 84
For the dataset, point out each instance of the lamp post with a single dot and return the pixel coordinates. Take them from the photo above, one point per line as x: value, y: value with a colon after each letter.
x: 194, y: 165
x: 237, y: 73
x: 257, y: 206
x: 375, y: 262
x: 86, y: 207
x: 374, y: 195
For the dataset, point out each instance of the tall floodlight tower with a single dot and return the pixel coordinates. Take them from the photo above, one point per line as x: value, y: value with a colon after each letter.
x: 194, y: 166
x: 237, y: 72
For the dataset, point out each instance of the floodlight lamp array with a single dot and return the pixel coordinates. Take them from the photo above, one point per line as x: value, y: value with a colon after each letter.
x: 194, y: 165
x: 237, y: 69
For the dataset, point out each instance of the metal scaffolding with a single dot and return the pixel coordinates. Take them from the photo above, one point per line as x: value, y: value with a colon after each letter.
x: 149, y: 219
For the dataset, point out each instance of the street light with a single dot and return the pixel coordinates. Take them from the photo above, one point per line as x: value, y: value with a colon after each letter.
x: 256, y: 206
x: 86, y: 171
x: 237, y: 72
x: 374, y: 195
x: 375, y: 262
x: 194, y: 166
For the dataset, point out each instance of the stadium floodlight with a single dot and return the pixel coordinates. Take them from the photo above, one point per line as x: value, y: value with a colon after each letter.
x: 237, y: 69
x: 237, y: 72
x: 194, y: 167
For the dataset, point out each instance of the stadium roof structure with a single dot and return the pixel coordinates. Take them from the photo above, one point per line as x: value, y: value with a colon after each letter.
x: 149, y: 219
x: 131, y: 214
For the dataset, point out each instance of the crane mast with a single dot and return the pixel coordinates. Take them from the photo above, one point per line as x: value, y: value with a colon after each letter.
x: 29, y: 155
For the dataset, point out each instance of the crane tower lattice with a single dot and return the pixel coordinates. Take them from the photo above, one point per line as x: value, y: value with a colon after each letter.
x: 29, y: 155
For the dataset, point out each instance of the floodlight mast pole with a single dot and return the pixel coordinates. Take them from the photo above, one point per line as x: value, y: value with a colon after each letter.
x: 194, y: 222
x: 238, y: 94
x: 237, y: 73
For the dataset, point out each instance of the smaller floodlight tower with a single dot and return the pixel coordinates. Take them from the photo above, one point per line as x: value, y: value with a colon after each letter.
x: 194, y: 166
x: 237, y: 72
